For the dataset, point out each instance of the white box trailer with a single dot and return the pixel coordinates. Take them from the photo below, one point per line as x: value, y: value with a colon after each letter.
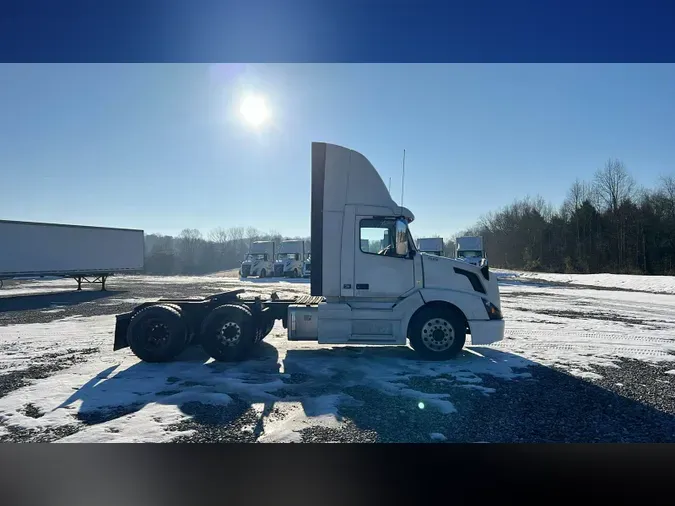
x: 85, y: 253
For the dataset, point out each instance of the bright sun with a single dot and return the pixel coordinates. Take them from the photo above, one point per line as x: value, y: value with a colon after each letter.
x: 254, y: 110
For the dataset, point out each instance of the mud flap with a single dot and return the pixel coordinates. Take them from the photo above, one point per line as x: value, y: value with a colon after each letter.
x: 121, y: 326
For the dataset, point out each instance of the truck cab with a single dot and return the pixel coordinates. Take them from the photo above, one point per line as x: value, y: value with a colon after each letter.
x: 290, y: 261
x: 470, y: 250
x: 431, y: 245
x: 390, y: 294
x: 259, y: 260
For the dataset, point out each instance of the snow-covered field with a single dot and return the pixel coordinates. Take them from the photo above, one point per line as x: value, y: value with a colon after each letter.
x: 647, y: 284
x: 580, y: 362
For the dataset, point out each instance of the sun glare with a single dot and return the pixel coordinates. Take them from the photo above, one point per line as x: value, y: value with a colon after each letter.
x: 254, y: 110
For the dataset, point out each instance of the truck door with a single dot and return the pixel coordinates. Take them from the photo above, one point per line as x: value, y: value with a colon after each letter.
x: 379, y: 272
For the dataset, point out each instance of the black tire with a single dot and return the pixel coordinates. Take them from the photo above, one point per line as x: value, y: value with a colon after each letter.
x: 263, y: 273
x: 296, y: 274
x: 228, y: 333
x: 157, y: 333
x: 264, y: 330
x: 268, y: 328
x: 437, y: 333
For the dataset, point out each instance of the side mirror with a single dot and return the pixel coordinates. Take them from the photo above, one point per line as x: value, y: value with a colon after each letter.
x: 401, y: 238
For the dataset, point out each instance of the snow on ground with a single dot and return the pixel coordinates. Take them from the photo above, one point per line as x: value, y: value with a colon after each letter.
x: 154, y: 393
x: 578, y: 328
x: 653, y: 284
x: 289, y: 387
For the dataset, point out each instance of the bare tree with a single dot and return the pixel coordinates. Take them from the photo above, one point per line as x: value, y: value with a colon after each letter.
x: 614, y: 184
x: 252, y: 234
x: 668, y: 190
x: 219, y: 235
x: 189, y: 241
x: 578, y: 193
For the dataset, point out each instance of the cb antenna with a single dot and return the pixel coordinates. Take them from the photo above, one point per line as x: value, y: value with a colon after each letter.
x: 402, y: 181
x: 389, y: 186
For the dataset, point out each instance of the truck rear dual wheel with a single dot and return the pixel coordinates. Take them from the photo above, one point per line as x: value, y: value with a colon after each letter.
x: 437, y: 333
x: 158, y: 333
x: 228, y: 333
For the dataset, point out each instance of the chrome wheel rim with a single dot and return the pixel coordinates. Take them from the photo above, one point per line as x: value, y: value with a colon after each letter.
x: 438, y: 334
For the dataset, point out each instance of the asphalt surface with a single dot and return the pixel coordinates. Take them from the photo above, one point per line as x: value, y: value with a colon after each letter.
x: 634, y: 402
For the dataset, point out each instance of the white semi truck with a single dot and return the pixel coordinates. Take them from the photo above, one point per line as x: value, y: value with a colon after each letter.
x: 431, y: 245
x: 291, y: 259
x: 388, y: 297
x: 470, y: 249
x: 259, y: 260
x: 84, y: 253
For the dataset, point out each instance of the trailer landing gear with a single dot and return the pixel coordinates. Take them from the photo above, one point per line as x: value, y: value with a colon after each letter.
x: 98, y: 279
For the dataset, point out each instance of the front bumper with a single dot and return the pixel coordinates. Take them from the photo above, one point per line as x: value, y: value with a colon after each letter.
x: 121, y: 326
x: 486, y: 331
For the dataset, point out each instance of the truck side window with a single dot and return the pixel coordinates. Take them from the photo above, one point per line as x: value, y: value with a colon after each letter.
x: 377, y: 236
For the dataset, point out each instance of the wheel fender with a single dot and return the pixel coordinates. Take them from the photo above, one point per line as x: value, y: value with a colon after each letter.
x: 470, y: 305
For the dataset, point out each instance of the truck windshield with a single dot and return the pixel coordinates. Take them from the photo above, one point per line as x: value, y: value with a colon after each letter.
x: 469, y: 254
x: 255, y: 256
x: 285, y: 256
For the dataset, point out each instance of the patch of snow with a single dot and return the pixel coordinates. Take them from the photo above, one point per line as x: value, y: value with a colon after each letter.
x: 578, y: 329
x: 143, y: 399
x: 672, y: 371
x: 654, y: 284
x: 437, y: 436
x: 584, y: 374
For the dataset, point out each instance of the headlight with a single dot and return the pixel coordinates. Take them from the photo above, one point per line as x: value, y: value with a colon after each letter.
x: 493, y: 311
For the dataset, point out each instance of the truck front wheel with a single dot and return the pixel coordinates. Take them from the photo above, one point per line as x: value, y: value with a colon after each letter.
x: 157, y: 333
x: 228, y: 333
x: 437, y: 333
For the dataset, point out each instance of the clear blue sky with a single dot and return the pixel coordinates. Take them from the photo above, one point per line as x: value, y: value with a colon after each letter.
x: 163, y: 147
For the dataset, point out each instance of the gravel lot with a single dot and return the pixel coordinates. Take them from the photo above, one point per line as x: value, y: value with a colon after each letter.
x: 627, y: 401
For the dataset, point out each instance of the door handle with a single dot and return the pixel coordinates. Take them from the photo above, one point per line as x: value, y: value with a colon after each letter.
x: 365, y: 286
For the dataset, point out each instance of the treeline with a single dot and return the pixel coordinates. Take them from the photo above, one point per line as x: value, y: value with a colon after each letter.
x: 193, y: 253
x: 607, y: 224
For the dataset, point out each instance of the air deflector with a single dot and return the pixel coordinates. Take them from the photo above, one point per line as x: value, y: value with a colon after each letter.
x: 318, y: 178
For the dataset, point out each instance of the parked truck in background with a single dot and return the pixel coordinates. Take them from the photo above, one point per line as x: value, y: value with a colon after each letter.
x: 470, y: 249
x: 291, y: 259
x: 431, y: 245
x: 84, y: 253
x: 357, y: 296
x: 259, y: 260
